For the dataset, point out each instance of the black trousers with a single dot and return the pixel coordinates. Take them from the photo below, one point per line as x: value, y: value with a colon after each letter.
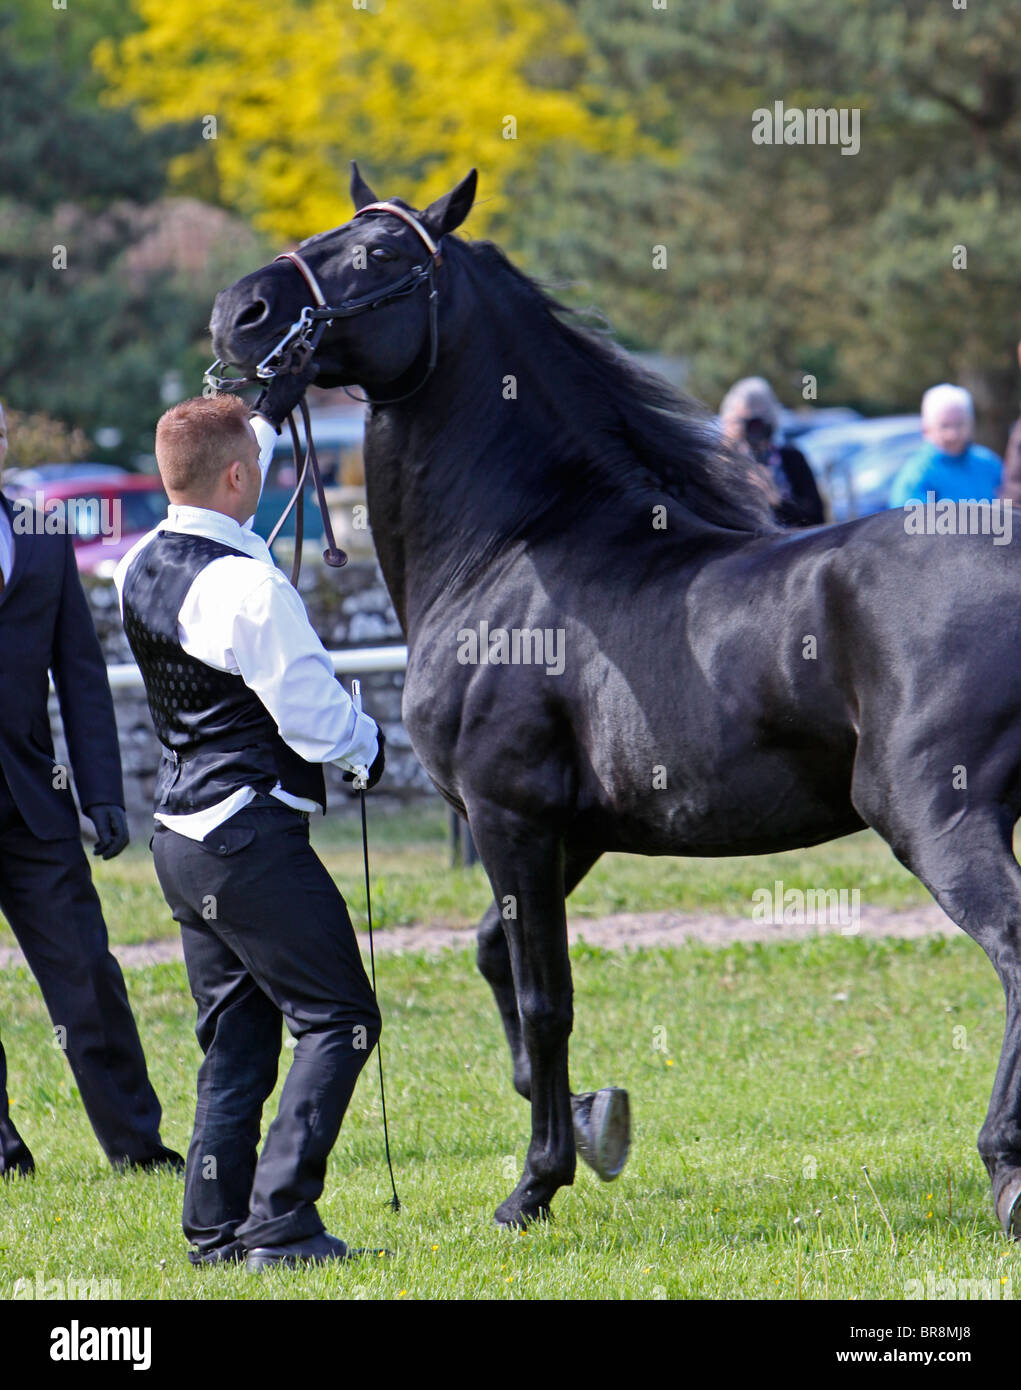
x: 267, y: 938
x: 47, y: 896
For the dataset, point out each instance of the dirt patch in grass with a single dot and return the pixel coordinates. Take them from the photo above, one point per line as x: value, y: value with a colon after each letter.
x: 622, y: 931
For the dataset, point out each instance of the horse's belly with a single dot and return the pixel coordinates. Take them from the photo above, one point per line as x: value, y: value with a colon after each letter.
x: 759, y: 806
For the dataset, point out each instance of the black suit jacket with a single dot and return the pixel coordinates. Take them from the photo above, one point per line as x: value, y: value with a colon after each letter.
x: 45, y: 624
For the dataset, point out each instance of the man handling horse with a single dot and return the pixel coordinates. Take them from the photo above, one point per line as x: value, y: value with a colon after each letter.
x: 248, y: 710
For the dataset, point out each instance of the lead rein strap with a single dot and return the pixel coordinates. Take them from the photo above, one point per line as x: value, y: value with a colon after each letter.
x: 395, y: 1203
x: 333, y: 555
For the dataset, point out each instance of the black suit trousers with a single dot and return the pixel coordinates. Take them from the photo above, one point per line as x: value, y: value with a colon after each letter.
x: 47, y: 896
x: 267, y: 940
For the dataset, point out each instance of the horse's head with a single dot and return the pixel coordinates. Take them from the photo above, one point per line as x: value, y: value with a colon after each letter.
x: 357, y: 297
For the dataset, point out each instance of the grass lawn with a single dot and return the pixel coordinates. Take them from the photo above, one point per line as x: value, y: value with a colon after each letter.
x: 411, y: 881
x: 762, y: 1079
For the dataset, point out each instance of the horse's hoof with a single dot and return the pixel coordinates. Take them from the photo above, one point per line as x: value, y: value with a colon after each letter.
x: 602, y: 1130
x: 1008, y: 1208
x: 511, y: 1215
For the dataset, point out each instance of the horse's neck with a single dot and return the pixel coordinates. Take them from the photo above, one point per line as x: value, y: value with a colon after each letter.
x: 454, y: 475
x: 422, y: 473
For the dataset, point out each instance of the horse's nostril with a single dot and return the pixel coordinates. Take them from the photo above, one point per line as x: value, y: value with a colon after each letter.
x: 254, y: 314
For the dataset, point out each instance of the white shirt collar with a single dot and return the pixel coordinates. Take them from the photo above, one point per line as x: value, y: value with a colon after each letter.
x: 201, y: 521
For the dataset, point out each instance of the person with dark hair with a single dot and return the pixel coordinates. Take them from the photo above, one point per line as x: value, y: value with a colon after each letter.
x: 46, y: 889
x: 247, y: 707
x: 750, y: 415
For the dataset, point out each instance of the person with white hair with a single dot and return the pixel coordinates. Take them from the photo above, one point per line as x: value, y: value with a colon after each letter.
x: 750, y: 416
x: 950, y: 464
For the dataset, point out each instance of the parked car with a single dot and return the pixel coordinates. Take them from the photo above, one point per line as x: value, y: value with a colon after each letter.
x: 338, y: 436
x: 44, y: 473
x: 795, y: 424
x: 106, y: 514
x: 855, y: 464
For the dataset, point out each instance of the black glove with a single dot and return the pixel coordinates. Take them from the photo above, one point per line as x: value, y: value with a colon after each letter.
x: 378, y: 764
x: 283, y: 393
x: 111, y: 829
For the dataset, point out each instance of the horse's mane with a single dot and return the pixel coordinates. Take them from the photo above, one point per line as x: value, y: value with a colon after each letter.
x: 632, y: 428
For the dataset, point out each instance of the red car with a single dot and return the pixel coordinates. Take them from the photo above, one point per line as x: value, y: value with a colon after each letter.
x: 105, y: 513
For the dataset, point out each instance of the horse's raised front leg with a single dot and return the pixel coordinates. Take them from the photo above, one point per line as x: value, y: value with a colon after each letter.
x: 524, y: 862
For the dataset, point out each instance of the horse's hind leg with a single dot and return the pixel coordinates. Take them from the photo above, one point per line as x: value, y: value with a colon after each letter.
x: 971, y: 871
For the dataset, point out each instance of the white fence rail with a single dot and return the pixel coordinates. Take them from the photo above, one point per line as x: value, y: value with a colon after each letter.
x: 357, y: 661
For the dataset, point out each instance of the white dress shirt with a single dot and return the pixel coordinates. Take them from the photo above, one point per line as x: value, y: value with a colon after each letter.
x: 6, y: 546
x: 242, y: 615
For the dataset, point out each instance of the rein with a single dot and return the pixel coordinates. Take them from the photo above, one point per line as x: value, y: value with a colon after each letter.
x: 297, y: 347
x: 333, y: 555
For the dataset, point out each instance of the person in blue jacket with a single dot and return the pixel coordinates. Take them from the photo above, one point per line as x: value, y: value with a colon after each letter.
x: 949, y: 464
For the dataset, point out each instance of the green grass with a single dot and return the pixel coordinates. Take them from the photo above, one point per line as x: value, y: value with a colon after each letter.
x: 762, y: 1079
x: 411, y: 881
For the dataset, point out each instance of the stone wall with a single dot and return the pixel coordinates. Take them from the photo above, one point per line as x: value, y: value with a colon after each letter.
x: 349, y: 607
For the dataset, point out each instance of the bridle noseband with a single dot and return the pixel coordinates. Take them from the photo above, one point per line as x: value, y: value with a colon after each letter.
x: 294, y: 350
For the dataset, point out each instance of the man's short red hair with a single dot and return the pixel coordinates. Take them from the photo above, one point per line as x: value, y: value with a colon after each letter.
x: 196, y: 440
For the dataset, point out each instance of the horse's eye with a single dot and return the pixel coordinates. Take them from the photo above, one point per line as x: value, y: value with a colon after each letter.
x: 383, y: 253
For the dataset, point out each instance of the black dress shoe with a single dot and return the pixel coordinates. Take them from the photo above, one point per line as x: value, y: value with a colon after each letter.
x: 166, y: 1158
x: 232, y: 1254
x: 15, y: 1159
x: 314, y: 1250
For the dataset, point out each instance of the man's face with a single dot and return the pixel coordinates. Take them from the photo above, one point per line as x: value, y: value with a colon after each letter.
x: 949, y: 428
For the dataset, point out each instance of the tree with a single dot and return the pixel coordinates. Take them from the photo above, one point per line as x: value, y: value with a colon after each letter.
x: 289, y: 93
x: 791, y: 259
x: 90, y: 341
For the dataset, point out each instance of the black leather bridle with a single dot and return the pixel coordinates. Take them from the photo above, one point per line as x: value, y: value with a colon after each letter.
x: 296, y: 347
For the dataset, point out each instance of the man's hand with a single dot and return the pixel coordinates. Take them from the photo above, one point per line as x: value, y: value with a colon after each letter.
x: 111, y: 829
x: 283, y: 393
x: 378, y: 764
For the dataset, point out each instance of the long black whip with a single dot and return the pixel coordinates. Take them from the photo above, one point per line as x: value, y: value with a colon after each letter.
x: 395, y: 1203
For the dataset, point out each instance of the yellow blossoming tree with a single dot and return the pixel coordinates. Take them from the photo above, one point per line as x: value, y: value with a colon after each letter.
x: 288, y: 93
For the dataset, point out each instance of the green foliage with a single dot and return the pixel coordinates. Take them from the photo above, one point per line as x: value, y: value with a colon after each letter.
x: 36, y: 439
x: 793, y: 259
x: 91, y: 332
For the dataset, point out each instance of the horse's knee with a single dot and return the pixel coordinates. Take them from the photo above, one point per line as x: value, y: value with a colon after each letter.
x: 546, y: 1021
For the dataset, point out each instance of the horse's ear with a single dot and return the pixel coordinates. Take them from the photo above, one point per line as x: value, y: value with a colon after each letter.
x: 361, y: 194
x: 450, y: 211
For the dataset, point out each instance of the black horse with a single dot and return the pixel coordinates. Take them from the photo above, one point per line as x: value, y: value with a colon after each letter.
x: 611, y: 647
